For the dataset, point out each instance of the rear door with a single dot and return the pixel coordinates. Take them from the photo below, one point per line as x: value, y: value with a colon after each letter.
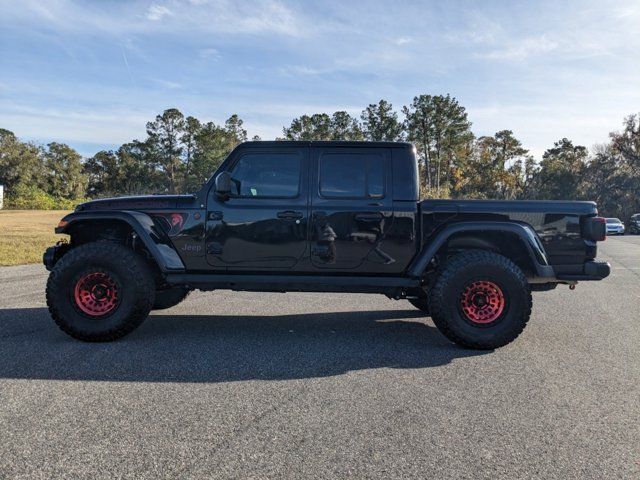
x: 351, y: 208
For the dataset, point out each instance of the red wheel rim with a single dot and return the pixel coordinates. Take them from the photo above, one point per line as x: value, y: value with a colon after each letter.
x: 96, y: 294
x: 482, y: 302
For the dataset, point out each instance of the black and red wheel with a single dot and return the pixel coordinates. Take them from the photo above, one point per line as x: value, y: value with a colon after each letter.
x: 96, y: 293
x: 480, y: 300
x: 100, y: 291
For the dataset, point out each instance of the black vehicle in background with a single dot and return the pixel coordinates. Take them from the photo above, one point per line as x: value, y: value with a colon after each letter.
x: 634, y: 224
x: 322, y: 217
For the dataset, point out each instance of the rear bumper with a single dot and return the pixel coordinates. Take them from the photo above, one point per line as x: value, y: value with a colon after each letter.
x: 593, y: 270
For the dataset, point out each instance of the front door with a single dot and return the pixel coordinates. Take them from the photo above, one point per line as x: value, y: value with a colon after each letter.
x: 263, y: 224
x: 351, y: 209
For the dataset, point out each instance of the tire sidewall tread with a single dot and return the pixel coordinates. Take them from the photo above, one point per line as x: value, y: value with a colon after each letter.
x: 469, y: 266
x: 137, y: 290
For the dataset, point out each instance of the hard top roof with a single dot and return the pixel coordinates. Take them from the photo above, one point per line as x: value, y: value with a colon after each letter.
x: 332, y: 143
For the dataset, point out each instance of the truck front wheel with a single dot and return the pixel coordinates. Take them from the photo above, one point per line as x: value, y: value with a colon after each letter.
x: 170, y: 297
x: 480, y: 300
x: 100, y: 291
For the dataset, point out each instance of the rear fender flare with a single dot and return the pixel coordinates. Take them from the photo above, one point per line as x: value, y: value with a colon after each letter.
x: 525, y: 232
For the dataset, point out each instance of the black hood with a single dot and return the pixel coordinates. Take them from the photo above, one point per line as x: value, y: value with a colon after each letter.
x: 139, y: 202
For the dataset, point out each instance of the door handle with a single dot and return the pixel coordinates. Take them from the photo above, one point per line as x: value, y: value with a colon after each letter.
x: 290, y: 215
x: 368, y: 217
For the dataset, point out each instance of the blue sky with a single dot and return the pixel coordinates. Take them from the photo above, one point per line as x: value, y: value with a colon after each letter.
x: 91, y: 74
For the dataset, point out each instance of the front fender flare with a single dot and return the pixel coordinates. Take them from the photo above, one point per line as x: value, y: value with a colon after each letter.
x: 142, y: 224
x: 523, y: 231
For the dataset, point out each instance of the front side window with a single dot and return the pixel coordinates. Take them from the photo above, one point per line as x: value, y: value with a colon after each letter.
x: 351, y: 175
x: 266, y: 175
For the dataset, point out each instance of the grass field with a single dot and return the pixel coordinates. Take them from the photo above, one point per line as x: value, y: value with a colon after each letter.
x: 24, y: 234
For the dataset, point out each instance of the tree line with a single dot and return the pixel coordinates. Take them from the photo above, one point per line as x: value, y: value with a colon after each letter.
x: 180, y: 152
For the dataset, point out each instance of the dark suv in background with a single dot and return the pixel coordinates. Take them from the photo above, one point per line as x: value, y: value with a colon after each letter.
x: 634, y: 224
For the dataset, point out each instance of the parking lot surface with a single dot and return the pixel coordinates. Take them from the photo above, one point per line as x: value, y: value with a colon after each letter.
x: 260, y: 385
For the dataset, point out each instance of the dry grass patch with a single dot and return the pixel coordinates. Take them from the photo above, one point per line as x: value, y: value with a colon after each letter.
x: 25, y: 234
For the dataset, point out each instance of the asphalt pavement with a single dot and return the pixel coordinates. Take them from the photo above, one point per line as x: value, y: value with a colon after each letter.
x: 261, y: 385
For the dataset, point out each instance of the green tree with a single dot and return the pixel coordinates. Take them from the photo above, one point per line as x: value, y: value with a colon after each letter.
x: 66, y: 177
x: 500, y: 167
x: 164, y: 135
x: 103, y: 173
x: 138, y: 173
x: 320, y: 126
x: 309, y: 127
x: 192, y: 128
x: 380, y: 122
x: 560, y: 172
x: 129, y: 170
x: 236, y: 133
x: 612, y: 176
x: 344, y: 127
x: 439, y: 127
x: 213, y: 144
x: 20, y: 163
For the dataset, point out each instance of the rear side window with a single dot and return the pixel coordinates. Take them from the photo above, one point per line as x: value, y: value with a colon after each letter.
x: 352, y: 175
x: 267, y: 175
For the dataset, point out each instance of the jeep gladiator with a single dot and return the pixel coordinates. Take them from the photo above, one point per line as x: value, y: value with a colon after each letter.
x: 320, y: 217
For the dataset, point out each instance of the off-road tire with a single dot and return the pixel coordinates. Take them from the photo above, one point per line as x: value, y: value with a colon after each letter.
x: 170, y: 297
x: 451, y: 290
x: 421, y: 303
x: 130, y: 277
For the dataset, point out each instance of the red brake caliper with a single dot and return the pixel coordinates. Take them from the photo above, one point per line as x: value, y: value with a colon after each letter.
x: 482, y: 302
x: 96, y: 294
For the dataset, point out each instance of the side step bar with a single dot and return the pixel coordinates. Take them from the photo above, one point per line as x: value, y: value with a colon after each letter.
x: 292, y: 283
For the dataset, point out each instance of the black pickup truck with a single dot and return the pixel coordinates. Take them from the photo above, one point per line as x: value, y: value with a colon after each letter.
x: 321, y: 217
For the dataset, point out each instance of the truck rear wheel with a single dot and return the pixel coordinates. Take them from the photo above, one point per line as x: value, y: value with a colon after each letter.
x: 480, y: 300
x: 170, y: 297
x: 100, y: 291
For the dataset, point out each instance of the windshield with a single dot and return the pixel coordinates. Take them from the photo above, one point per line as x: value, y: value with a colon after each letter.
x: 613, y: 220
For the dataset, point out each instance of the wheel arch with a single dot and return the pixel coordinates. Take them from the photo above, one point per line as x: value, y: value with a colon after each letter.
x: 84, y: 227
x: 514, y: 240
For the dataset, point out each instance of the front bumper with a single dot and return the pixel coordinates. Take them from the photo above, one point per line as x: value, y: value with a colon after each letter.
x: 52, y: 254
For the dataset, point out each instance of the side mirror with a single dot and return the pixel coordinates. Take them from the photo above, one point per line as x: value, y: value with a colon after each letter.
x: 223, y: 185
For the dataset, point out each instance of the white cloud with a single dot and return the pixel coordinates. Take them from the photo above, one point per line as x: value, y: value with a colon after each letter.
x: 103, y: 126
x: 167, y: 84
x: 295, y: 70
x: 156, y: 12
x: 521, y: 49
x: 195, y: 17
x: 402, y: 40
x: 209, y: 53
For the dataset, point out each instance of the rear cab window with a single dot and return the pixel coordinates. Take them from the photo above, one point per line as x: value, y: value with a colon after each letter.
x: 352, y: 175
